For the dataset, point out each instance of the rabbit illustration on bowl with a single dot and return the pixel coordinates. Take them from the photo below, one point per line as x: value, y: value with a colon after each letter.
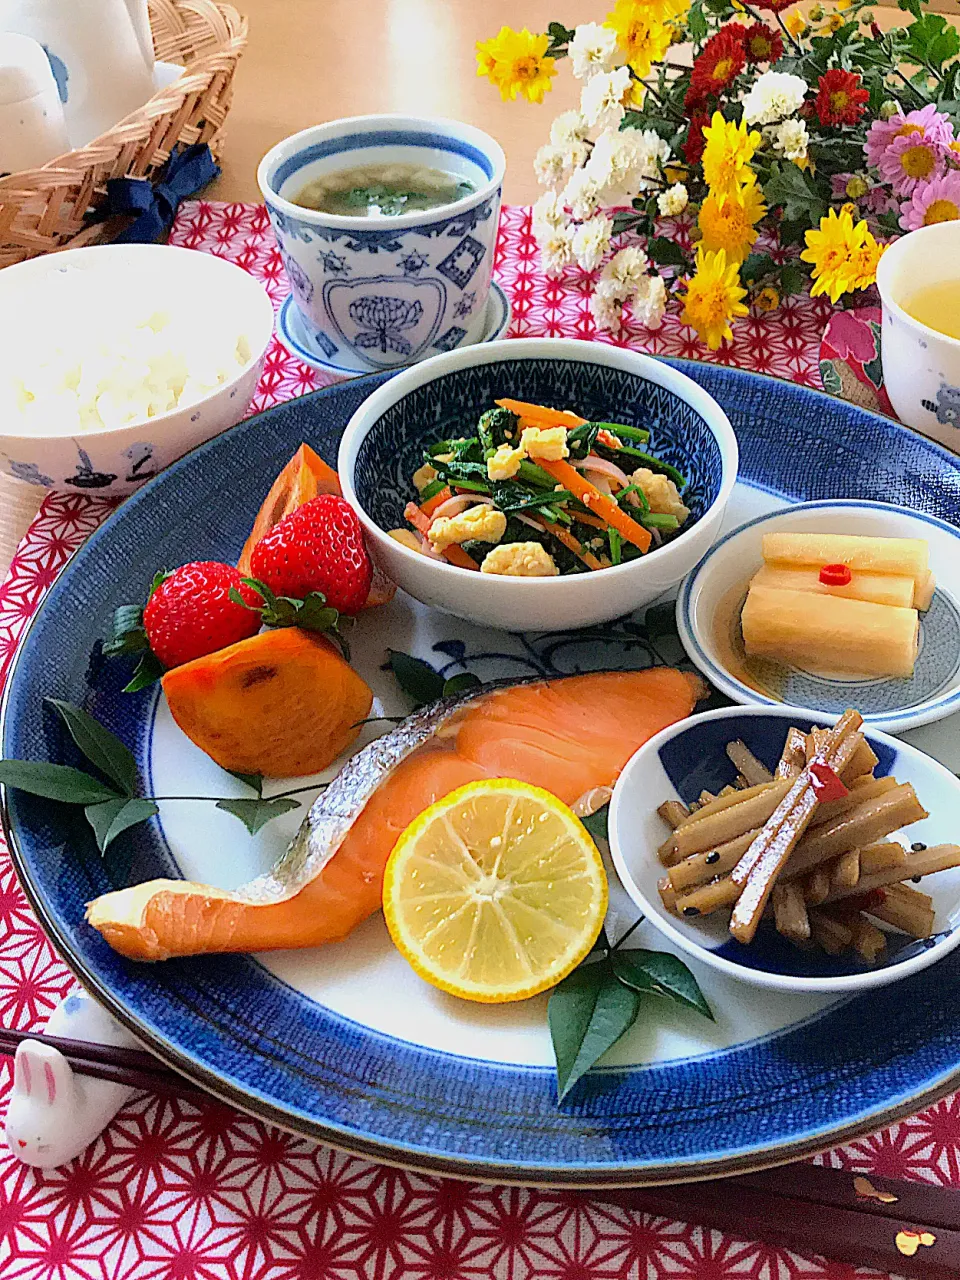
x: 54, y: 1113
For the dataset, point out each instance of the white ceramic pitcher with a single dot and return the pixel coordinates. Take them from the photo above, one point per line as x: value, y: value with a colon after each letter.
x: 101, y: 54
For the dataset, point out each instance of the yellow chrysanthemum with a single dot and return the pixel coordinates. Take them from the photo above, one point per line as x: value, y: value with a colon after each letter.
x: 714, y: 297
x: 832, y: 23
x: 795, y: 23
x: 726, y: 157
x: 731, y: 226
x: 830, y: 249
x: 767, y: 299
x: 514, y: 61
x: 642, y: 33
x: 863, y: 262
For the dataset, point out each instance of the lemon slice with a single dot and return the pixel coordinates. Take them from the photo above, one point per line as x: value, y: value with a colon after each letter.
x: 495, y: 892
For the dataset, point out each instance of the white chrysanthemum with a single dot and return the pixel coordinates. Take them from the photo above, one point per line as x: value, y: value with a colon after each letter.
x: 548, y: 215
x: 568, y: 127
x: 592, y: 50
x: 625, y: 162
x: 792, y: 139
x: 591, y: 241
x: 650, y: 302
x: 556, y: 250
x: 628, y: 268
x: 549, y: 165
x: 775, y: 95
x: 606, y: 306
x: 581, y: 194
x: 673, y: 201
x: 601, y: 101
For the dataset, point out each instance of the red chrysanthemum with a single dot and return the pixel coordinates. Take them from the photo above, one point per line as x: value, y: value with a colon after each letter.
x: 841, y: 98
x: 761, y: 44
x: 721, y: 60
x: 695, y: 143
x: 773, y: 6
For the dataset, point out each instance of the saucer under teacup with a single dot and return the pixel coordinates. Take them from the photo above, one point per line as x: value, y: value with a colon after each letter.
x: 301, y: 342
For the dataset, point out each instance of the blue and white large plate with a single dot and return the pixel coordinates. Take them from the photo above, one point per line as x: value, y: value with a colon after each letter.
x: 345, y: 1043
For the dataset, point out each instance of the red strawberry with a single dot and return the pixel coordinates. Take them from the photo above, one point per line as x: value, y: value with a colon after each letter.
x: 191, y: 614
x: 318, y: 547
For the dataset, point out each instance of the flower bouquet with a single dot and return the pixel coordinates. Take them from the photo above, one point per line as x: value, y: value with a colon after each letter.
x: 819, y: 132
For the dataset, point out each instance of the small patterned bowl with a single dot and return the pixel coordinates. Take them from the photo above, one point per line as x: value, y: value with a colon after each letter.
x: 384, y: 442
x: 378, y: 293
x: 688, y: 757
x: 708, y: 618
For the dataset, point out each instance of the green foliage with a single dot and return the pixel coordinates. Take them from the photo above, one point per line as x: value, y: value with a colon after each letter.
x: 796, y: 192
x: 255, y: 814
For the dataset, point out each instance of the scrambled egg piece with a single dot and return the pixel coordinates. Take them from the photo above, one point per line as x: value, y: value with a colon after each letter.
x: 406, y: 539
x: 520, y: 560
x: 424, y: 476
x: 545, y: 442
x: 484, y: 523
x: 662, y: 494
x: 505, y: 463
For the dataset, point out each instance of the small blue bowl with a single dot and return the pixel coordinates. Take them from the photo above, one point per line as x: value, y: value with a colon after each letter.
x: 688, y: 758
x: 378, y: 293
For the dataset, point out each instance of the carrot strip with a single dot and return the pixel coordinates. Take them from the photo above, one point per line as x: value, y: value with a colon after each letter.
x: 413, y: 514
x: 540, y: 415
x: 571, y: 543
x: 456, y: 555
x: 431, y: 504
x: 594, y: 521
x: 598, y: 502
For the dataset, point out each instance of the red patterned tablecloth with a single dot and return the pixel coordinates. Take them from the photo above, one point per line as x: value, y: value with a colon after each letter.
x: 178, y: 1191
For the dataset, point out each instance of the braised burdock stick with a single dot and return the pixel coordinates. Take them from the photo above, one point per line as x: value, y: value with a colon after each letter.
x: 790, y: 912
x: 845, y: 871
x: 743, y: 759
x: 830, y: 934
x: 939, y: 857
x: 669, y: 852
x: 865, y: 788
x: 881, y: 856
x: 708, y: 897
x: 794, y: 755
x: 816, y: 887
x: 863, y: 825
x: 745, y: 812
x: 700, y: 868
x: 759, y: 867
x: 673, y: 812
x: 905, y: 909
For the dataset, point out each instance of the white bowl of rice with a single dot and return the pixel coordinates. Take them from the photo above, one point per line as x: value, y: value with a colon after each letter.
x: 119, y: 359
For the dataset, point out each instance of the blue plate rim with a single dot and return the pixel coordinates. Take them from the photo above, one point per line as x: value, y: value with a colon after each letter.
x: 923, y: 713
x: 767, y: 1154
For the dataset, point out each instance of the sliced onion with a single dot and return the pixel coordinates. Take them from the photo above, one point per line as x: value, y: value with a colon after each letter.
x: 460, y: 502
x: 427, y: 550
x: 518, y: 515
x: 600, y: 466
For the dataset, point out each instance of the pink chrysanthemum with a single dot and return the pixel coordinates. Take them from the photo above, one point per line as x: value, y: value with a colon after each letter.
x: 931, y: 123
x: 838, y: 185
x: 935, y: 201
x: 910, y: 160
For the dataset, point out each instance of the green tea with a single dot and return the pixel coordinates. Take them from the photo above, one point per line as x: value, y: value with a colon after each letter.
x: 937, y: 306
x: 382, y: 190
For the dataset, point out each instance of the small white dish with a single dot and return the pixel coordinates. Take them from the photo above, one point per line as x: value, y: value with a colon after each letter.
x: 688, y: 756
x: 208, y: 290
x: 710, y: 599
x: 293, y: 332
x: 384, y: 442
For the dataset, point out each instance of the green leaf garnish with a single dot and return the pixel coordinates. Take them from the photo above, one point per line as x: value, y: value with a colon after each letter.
x: 103, y: 749
x: 596, y: 823
x: 416, y: 677
x: 588, y: 1013
x: 252, y: 780
x: 110, y: 817
x: 465, y: 682
x: 54, y: 782
x: 147, y: 672
x: 127, y: 634
x: 255, y: 814
x: 662, y: 974
x: 665, y: 253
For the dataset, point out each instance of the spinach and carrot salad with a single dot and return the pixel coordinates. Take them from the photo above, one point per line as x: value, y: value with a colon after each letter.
x: 540, y: 492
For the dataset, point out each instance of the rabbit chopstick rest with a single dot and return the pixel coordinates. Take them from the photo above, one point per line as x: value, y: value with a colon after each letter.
x: 54, y: 1113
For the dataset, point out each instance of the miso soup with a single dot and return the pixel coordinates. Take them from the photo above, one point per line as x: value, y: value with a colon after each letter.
x: 382, y: 190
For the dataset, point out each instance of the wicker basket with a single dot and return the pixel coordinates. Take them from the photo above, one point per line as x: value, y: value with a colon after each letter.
x: 49, y: 208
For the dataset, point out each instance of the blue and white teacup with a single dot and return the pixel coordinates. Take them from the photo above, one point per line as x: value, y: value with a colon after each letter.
x: 380, y: 292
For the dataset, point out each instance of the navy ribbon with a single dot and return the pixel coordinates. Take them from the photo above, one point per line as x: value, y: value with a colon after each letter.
x: 156, y: 202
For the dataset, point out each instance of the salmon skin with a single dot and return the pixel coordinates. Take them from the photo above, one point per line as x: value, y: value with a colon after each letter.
x: 570, y: 735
